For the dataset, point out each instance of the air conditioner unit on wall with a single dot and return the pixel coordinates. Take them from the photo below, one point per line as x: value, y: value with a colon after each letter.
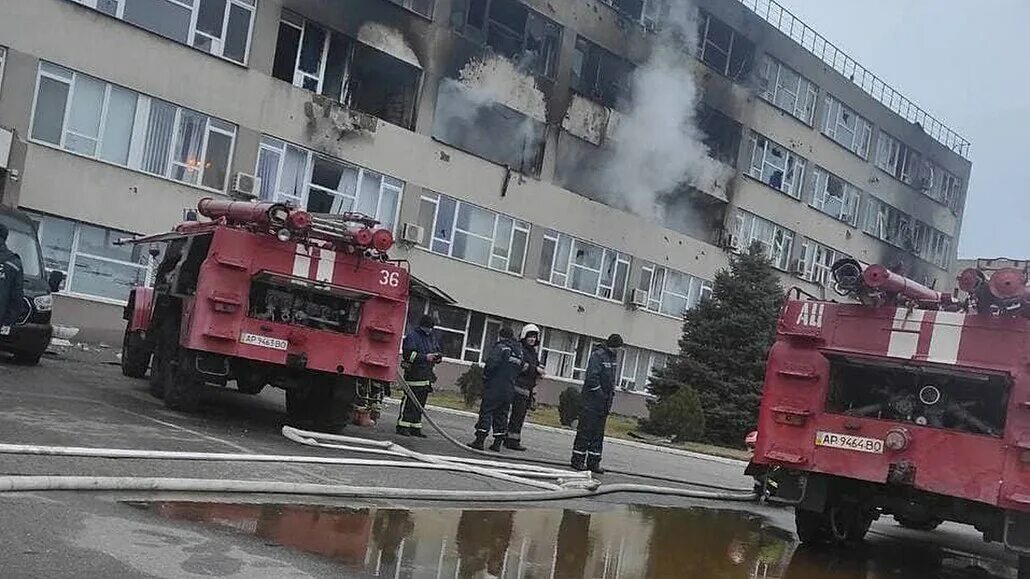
x: 639, y: 298
x: 413, y: 234
x: 245, y: 185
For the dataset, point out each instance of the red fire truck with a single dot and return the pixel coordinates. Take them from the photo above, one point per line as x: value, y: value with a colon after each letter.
x: 910, y: 402
x: 263, y: 294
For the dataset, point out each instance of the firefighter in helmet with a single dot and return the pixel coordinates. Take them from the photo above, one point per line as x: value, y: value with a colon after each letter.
x: 11, y: 285
x: 596, y: 403
x: 503, y: 365
x: 421, y: 351
x: 525, y: 383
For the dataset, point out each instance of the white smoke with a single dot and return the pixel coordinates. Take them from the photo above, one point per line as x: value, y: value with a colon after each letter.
x: 657, y: 146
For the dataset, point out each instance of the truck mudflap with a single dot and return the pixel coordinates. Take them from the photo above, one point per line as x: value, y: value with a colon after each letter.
x: 1017, y: 532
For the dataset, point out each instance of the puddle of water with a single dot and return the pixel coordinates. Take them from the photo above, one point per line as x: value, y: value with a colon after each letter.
x: 628, y: 542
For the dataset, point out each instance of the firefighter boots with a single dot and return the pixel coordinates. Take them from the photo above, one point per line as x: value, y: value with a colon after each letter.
x: 478, y: 442
x: 417, y: 433
x: 514, y: 444
x: 496, y: 446
x: 578, y: 462
x: 594, y: 466
x: 403, y: 431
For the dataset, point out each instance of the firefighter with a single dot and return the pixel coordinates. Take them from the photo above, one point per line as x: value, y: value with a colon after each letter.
x: 596, y: 403
x: 421, y: 353
x: 11, y: 285
x: 524, y: 386
x: 503, y: 365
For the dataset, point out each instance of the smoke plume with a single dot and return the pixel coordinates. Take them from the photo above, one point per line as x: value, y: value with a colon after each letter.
x: 657, y: 146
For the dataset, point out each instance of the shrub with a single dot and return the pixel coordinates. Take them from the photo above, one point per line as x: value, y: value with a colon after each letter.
x: 569, y: 403
x: 679, y: 415
x: 471, y: 385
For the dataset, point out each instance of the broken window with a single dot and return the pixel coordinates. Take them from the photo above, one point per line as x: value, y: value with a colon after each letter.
x: 360, y: 77
x: 599, y: 74
x: 834, y: 196
x: 899, y: 229
x: 785, y: 88
x: 897, y: 158
x: 423, y: 7
x: 581, y: 266
x: 816, y: 261
x: 724, y: 49
x: 945, y: 188
x: 777, y: 242
x: 776, y: 166
x: 643, y: 11
x: 473, y: 234
x: 847, y: 127
x: 320, y: 184
x: 512, y: 30
x: 722, y: 135
x: 671, y: 292
x: 489, y: 129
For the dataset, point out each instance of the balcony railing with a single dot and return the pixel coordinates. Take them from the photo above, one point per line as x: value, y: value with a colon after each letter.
x: 812, y: 41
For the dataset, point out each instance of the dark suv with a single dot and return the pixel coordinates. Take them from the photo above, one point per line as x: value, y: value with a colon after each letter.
x: 29, y: 338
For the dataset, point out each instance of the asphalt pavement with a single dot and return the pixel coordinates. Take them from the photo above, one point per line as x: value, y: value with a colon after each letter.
x: 80, y: 398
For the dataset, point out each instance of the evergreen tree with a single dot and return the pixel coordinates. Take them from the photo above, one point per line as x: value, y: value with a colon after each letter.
x: 723, y: 351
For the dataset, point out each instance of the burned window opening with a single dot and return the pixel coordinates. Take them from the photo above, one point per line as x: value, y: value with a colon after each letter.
x: 722, y: 135
x: 599, y: 74
x: 925, y: 396
x: 725, y: 50
x: 423, y: 7
x: 487, y: 129
x: 513, y: 31
x: 360, y: 77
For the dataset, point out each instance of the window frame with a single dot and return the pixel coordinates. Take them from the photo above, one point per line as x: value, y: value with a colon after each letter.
x: 74, y: 253
x: 3, y: 65
x: 791, y: 162
x: 407, y: 5
x: 928, y: 243
x: 250, y: 6
x: 430, y: 239
x: 780, y: 257
x: 770, y: 88
x: 815, y: 261
x: 656, y: 296
x: 899, y: 160
x: 735, y: 35
x: 862, y: 134
x: 137, y: 135
x: 621, y: 259
x: 851, y: 196
x: 266, y: 144
x: 551, y: 63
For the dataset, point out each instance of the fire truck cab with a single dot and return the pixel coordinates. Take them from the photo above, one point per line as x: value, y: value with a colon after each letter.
x: 910, y: 403
x: 263, y: 294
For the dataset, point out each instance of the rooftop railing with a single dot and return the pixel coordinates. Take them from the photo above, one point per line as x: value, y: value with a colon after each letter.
x: 784, y: 21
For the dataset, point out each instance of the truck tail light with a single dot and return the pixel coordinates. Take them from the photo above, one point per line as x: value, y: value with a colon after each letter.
x: 896, y: 440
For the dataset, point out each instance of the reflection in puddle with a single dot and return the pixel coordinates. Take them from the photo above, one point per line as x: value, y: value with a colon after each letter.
x: 628, y: 542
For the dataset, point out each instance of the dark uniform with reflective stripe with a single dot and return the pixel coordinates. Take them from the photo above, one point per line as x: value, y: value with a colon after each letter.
x: 597, y: 396
x: 11, y: 285
x: 524, y: 386
x: 502, y: 368
x: 419, y: 374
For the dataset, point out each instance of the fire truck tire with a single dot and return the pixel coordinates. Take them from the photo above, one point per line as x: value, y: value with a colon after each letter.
x: 250, y: 385
x: 918, y: 523
x: 840, y: 524
x: 1024, y: 567
x: 164, y: 348
x: 135, y: 355
x: 182, y: 387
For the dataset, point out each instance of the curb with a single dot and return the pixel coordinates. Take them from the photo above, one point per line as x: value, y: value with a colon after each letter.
x: 607, y: 439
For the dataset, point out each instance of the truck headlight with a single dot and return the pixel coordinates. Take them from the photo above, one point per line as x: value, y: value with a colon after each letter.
x: 43, y: 303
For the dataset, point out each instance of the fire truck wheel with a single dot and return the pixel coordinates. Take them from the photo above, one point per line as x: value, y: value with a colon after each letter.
x: 838, y: 525
x: 135, y: 355
x: 165, y: 335
x: 1024, y: 567
x: 918, y: 523
x: 182, y: 387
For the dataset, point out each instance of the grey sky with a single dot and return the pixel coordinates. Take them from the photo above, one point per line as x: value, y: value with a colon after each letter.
x: 968, y: 64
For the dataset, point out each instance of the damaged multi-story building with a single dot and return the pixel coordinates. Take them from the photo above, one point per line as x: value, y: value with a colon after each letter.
x: 487, y: 134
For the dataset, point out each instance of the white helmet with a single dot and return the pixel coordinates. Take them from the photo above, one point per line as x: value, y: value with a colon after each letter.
x: 529, y: 329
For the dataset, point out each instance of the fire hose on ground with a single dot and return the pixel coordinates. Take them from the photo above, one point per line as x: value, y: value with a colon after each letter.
x: 567, y: 484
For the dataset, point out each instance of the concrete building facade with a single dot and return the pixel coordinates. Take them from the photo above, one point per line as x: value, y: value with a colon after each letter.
x: 474, y: 128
